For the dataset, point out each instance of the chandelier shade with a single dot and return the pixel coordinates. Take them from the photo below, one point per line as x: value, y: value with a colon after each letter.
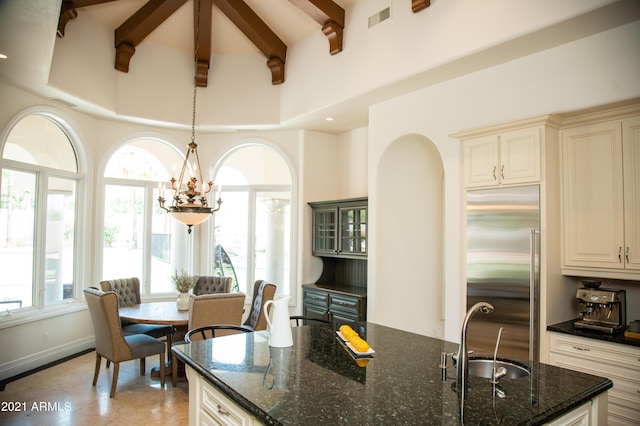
x: 190, y: 204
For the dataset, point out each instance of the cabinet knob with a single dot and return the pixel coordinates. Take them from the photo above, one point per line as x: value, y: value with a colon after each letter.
x: 494, y: 173
x: 222, y: 410
x: 502, y: 171
x: 578, y: 348
x: 626, y: 254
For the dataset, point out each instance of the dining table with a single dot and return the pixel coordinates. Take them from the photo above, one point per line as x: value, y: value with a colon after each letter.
x: 164, y: 313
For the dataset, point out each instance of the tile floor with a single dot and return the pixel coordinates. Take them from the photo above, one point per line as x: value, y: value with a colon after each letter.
x: 66, y: 397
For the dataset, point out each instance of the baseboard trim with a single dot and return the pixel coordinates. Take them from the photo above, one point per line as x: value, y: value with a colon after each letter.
x: 25, y: 366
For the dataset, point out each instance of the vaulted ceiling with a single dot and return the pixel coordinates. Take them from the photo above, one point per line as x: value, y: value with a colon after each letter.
x: 260, y: 22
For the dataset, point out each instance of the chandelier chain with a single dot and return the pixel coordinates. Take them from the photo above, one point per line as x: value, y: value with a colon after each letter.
x: 195, y: 70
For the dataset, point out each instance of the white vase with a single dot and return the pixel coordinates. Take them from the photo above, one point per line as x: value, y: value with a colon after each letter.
x: 183, y: 301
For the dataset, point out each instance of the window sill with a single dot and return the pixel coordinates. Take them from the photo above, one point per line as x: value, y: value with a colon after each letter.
x: 28, y: 315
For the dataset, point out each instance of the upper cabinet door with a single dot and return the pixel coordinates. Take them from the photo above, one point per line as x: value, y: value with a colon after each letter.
x: 325, y: 224
x: 520, y: 156
x: 592, y: 186
x: 631, y: 159
x: 353, y: 230
x: 481, y: 158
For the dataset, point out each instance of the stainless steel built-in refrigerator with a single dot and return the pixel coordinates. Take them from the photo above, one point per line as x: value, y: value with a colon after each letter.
x: 503, y: 234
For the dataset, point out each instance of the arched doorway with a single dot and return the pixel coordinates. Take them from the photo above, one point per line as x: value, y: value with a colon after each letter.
x: 410, y: 237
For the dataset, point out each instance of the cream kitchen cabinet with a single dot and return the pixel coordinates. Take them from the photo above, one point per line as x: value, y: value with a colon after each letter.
x: 601, y: 197
x: 209, y: 406
x: 620, y: 363
x: 505, y: 154
x: 593, y: 413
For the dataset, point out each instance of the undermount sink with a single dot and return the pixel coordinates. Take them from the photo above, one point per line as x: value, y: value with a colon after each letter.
x: 484, y: 368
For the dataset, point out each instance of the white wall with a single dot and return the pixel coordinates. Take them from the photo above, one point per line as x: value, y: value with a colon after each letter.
x: 589, y: 72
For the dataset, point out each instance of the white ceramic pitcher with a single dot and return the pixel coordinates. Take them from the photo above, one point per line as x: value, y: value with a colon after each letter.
x: 280, y: 326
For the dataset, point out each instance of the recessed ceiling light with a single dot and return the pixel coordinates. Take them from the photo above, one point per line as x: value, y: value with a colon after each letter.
x: 3, y: 56
x: 329, y: 118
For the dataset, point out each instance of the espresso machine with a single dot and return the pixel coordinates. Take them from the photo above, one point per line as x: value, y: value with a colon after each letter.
x: 602, y: 309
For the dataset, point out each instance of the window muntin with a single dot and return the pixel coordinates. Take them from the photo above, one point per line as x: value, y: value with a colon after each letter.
x: 38, y: 215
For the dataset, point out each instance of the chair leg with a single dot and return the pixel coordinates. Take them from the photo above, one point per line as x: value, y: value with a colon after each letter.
x: 95, y: 373
x: 162, y: 369
x: 174, y: 370
x: 114, y: 382
x: 143, y: 366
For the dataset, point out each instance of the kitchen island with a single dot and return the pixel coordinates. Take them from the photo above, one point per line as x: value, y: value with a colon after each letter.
x: 318, y: 381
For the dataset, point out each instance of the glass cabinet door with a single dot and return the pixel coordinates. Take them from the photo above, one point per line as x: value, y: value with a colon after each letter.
x: 324, y: 232
x: 353, y: 230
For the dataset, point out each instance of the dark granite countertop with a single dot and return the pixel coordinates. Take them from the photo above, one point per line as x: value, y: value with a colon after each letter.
x: 401, y: 385
x: 567, y: 327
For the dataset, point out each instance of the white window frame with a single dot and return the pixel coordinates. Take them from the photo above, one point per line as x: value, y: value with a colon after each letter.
x: 293, y: 233
x: 82, y: 223
x: 149, y: 185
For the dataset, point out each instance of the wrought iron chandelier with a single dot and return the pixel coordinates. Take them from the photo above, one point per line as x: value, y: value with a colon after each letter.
x: 189, y: 201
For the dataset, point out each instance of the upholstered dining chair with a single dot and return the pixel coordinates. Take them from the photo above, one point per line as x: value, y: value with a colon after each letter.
x: 263, y: 291
x: 219, y: 308
x: 112, y: 344
x: 211, y: 309
x: 212, y: 285
x: 128, y: 291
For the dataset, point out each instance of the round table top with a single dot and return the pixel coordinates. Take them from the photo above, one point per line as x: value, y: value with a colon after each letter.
x: 155, y: 313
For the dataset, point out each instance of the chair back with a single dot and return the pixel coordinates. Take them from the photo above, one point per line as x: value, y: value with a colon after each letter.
x: 262, y: 292
x: 219, y: 308
x: 127, y: 289
x: 103, y: 308
x: 212, y: 285
x: 213, y: 331
x: 308, y: 320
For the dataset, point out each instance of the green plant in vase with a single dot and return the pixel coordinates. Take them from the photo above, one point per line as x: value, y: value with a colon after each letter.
x: 184, y: 283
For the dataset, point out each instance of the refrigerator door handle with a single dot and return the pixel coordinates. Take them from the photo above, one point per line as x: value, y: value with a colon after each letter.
x: 533, y: 295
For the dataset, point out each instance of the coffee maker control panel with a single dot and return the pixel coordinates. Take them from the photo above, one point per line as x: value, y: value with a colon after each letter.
x: 597, y: 296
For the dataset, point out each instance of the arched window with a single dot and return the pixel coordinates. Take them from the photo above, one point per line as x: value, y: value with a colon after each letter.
x: 38, y: 215
x: 253, y: 229
x: 139, y: 237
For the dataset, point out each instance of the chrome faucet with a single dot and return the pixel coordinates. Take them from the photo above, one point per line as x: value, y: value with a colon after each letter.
x: 462, y: 362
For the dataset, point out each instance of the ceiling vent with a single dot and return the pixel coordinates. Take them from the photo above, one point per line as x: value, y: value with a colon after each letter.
x: 383, y: 15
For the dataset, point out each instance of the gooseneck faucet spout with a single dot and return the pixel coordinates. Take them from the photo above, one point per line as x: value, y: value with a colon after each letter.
x: 500, y: 372
x: 462, y: 363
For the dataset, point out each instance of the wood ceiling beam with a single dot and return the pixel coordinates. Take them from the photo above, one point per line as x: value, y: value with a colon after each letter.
x: 418, y: 5
x: 68, y: 12
x: 259, y: 33
x: 328, y: 14
x: 138, y: 26
x: 203, y: 41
